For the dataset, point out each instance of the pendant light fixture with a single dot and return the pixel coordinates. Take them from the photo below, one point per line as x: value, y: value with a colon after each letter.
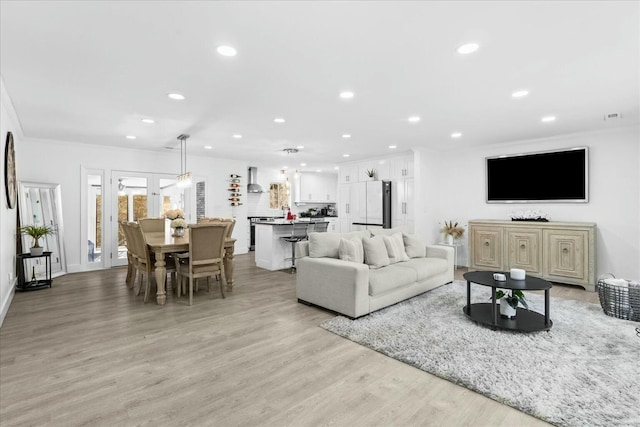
x: 184, y: 179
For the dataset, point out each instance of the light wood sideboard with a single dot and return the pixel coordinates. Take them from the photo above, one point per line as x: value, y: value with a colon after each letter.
x: 563, y: 252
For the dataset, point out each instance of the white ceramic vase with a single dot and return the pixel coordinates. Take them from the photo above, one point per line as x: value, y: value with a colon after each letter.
x: 506, y: 309
x: 449, y: 239
x: 178, y: 232
x: 36, y: 251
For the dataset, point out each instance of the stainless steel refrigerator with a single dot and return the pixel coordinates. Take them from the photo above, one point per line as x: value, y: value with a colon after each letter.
x: 377, y: 205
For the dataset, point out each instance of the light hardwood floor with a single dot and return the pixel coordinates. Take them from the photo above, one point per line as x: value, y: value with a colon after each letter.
x: 89, y: 352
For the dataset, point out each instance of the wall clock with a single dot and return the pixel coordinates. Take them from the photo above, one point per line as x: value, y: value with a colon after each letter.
x: 10, y: 183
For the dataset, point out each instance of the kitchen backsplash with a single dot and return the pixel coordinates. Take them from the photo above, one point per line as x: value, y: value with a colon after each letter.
x: 258, y: 205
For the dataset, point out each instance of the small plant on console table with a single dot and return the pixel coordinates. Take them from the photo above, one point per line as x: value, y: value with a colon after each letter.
x: 36, y: 232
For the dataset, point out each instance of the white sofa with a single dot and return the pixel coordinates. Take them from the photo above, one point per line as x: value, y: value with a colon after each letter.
x: 354, y: 289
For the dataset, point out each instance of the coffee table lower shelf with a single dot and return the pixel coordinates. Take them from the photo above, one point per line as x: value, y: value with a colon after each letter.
x: 524, y: 321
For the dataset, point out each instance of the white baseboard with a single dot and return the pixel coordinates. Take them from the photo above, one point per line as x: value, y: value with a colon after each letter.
x: 7, y: 303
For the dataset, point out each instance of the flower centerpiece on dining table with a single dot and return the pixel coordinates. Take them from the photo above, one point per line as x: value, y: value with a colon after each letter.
x: 178, y: 224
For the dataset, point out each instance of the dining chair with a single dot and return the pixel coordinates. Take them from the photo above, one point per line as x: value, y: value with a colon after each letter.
x: 152, y: 225
x: 206, y: 254
x: 230, y: 220
x: 145, y: 260
x: 131, y: 257
x: 298, y: 233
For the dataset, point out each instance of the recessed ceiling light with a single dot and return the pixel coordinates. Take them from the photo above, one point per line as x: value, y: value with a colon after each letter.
x: 456, y: 135
x: 520, y: 93
x: 131, y: 137
x: 467, y: 48
x: 346, y: 95
x: 318, y: 170
x: 414, y: 119
x: 300, y: 147
x: 176, y: 96
x: 278, y: 120
x: 285, y: 167
x: 149, y: 121
x: 303, y: 164
x: 548, y: 119
x: 393, y: 146
x: 208, y: 147
x: 227, y: 51
x: 237, y: 136
x: 336, y: 167
x: 346, y: 136
x: 345, y: 155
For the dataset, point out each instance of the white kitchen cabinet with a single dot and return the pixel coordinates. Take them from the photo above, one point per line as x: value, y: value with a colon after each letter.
x: 352, y: 206
x: 348, y: 174
x: 316, y: 188
x: 334, y: 225
x: 402, y: 167
x: 403, y: 206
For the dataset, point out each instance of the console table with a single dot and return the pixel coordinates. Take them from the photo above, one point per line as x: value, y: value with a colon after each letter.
x: 487, y: 313
x: 563, y: 252
x: 33, y: 284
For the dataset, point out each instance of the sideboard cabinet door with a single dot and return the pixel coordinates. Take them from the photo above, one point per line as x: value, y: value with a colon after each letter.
x: 524, y: 250
x: 567, y: 257
x: 486, y: 247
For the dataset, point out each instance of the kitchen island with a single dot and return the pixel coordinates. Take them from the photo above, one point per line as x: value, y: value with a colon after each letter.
x: 273, y: 252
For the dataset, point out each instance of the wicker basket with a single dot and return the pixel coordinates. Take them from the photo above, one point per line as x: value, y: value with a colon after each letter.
x: 622, y: 302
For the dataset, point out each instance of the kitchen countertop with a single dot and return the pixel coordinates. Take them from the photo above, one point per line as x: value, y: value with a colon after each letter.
x: 282, y: 221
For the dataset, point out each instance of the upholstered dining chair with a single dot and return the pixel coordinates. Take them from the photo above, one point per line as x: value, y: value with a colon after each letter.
x: 144, y: 260
x: 231, y: 221
x: 205, y: 258
x: 131, y: 256
x: 152, y: 225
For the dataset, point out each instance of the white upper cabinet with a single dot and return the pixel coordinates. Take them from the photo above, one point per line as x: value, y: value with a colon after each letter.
x: 317, y: 188
x: 348, y: 174
x: 402, y: 167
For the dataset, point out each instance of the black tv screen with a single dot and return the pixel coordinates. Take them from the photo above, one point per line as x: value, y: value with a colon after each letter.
x: 550, y: 176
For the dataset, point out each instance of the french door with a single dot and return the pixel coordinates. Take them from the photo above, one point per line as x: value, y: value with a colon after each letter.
x: 138, y: 195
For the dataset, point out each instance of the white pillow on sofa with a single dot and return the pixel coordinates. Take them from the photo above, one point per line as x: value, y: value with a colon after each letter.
x: 395, y: 247
x: 414, y: 246
x: 375, y: 252
x: 328, y: 244
x: 351, y: 249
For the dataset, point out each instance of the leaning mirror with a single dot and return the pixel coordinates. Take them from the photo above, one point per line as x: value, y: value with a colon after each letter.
x: 40, y: 204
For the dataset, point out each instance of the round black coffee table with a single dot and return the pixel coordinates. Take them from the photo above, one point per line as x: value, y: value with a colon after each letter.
x: 487, y: 313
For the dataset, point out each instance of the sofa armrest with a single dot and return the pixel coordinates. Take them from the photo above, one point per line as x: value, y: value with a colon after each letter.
x: 337, y: 285
x: 444, y: 252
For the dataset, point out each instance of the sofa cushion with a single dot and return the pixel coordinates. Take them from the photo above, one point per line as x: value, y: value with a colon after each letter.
x: 351, y: 249
x: 395, y: 247
x: 427, y: 267
x: 388, y: 231
x: 414, y: 246
x: 389, y: 278
x: 375, y: 252
x: 328, y: 244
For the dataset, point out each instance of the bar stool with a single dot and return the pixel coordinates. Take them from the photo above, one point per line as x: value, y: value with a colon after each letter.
x: 298, y: 233
x: 320, y: 227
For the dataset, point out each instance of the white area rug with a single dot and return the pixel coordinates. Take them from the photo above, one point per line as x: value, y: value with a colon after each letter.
x: 585, y: 371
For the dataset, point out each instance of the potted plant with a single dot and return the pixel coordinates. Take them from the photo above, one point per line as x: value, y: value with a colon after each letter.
x: 178, y: 225
x: 452, y: 231
x: 371, y: 173
x: 36, y: 232
x: 509, y: 301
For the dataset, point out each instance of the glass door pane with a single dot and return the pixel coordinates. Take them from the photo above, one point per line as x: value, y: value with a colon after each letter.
x: 94, y: 218
x: 132, y: 202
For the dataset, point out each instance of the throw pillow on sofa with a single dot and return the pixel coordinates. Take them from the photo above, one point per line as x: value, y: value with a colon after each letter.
x: 395, y: 248
x: 328, y: 244
x: 375, y: 252
x: 351, y: 250
x: 414, y: 246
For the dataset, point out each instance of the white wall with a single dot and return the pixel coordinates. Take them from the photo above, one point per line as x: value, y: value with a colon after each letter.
x: 8, y: 123
x: 61, y: 163
x: 614, y: 196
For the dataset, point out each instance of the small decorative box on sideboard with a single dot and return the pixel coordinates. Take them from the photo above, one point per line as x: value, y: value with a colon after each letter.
x: 563, y: 252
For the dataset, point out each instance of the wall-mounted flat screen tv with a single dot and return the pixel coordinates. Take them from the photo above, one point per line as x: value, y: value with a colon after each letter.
x: 549, y: 176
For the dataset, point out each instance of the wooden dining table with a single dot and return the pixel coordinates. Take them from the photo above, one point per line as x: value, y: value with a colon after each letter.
x: 161, y: 243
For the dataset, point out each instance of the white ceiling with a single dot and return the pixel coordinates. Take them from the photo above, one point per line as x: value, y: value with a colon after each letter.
x: 89, y: 71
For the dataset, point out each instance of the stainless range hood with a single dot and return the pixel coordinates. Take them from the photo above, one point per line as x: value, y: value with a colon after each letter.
x: 252, y: 186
